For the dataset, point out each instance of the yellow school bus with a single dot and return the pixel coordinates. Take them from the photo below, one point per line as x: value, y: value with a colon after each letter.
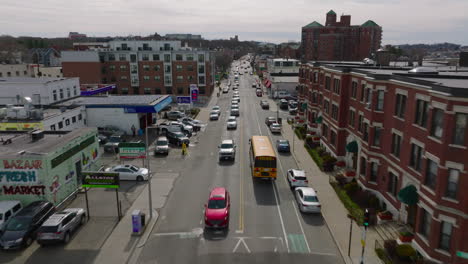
x: 262, y: 158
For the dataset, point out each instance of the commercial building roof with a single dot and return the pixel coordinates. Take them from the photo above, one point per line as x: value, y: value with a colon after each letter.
x: 284, y: 79
x: 116, y: 100
x: 18, y: 80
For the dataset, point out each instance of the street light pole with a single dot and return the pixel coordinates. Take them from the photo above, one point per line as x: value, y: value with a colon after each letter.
x: 150, y: 199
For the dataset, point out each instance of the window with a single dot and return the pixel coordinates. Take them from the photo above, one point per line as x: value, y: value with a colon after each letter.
x: 400, y: 105
x: 123, y: 67
x: 437, y: 123
x: 336, y: 86
x: 190, y: 78
x: 55, y: 95
x: 9, y: 74
x: 73, y: 119
x: 333, y: 138
x: 167, y: 79
x: 134, y: 69
x: 156, y: 57
x: 167, y: 68
x: 201, y: 69
x: 145, y: 57
x: 325, y: 131
x: 52, y: 127
x: 360, y: 122
x: 421, y: 113
x: 352, y: 116
x: 459, y: 133
x: 67, y: 122
x: 180, y: 90
x: 354, y: 89
x: 416, y: 157
x: 202, y: 90
x: 133, y: 57
x: 60, y: 125
x: 396, y: 145
x: 365, y: 132
x: 180, y: 79
x: 445, y: 235
x: 326, y: 106
x: 380, y: 100
x: 314, y: 98
x: 122, y: 57
x: 201, y: 79
x: 125, y: 90
x: 167, y: 57
x: 17, y: 73
x: 146, y: 67
x: 431, y: 174
x: 452, y: 184
x: 189, y: 67
x: 327, y: 82
x: 315, y: 77
x: 334, y: 112
x: 363, y: 89
x: 61, y: 93
x: 146, y: 78
x: 425, y: 226
x: 392, y: 184
x: 178, y: 57
x: 25, y: 72
x: 189, y: 57
x: 363, y: 167
x: 168, y: 90
x: 374, y: 171
x: 147, y: 90
x: 68, y: 92
x: 157, y: 78
x: 157, y: 68
x: 1, y: 74
x: 377, y: 136
x: 201, y: 58
x: 112, y: 67
x: 179, y: 67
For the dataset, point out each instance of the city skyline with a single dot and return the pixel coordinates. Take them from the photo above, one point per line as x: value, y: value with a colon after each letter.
x: 261, y: 21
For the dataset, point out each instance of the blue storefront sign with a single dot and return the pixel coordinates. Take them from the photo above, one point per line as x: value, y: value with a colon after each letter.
x: 184, y: 100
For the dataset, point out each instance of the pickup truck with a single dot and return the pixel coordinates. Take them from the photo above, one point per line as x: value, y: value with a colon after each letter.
x: 112, y: 145
x: 175, y: 126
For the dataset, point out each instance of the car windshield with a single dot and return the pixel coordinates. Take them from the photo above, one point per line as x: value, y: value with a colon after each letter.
x: 274, y: 125
x: 161, y: 143
x: 309, y: 198
x: 226, y: 145
x: 179, y: 135
x: 283, y: 142
x: 114, y: 139
x: 135, y: 169
x: 217, y: 204
x: 18, y: 223
x: 231, y: 119
x: 215, y: 107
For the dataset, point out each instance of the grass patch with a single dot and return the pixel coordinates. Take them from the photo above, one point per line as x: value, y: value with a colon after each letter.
x: 380, y: 252
x: 194, y: 112
x: 352, y: 207
x: 315, y: 156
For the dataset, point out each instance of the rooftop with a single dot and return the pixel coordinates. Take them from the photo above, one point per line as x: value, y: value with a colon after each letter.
x: 23, y: 147
x: 19, y: 80
x: 116, y: 100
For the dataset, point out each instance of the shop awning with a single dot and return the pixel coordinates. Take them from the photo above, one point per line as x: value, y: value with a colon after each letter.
x: 268, y: 85
x: 352, y: 147
x: 319, y: 120
x: 265, y: 81
x: 408, y: 195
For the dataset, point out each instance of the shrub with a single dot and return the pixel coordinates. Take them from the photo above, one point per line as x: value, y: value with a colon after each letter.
x: 406, y: 233
x: 405, y: 251
x: 194, y: 112
x: 321, y: 150
x: 390, y: 245
x: 341, y: 180
x: 313, y: 153
x: 352, y: 207
x: 341, y: 163
x: 351, y: 188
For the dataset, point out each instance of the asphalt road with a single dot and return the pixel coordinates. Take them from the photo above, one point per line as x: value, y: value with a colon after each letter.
x: 265, y: 224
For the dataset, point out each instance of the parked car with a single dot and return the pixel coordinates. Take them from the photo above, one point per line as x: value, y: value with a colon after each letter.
x: 259, y: 92
x: 109, y: 130
x: 293, y: 111
x: 275, y: 128
x: 20, y: 231
x: 225, y: 90
x: 254, y: 85
x: 227, y: 150
x: 214, y: 115
x: 216, y: 109
x: 196, y: 124
x: 187, y: 129
x: 235, y: 111
x: 8, y: 209
x: 297, y: 178
x: 177, y: 138
x: 102, y: 139
x: 112, y: 145
x: 264, y: 104
x: 161, y: 146
x: 270, y: 120
x: 307, y: 200
x: 217, y: 210
x: 231, y: 122
x: 283, y: 104
x: 282, y: 145
x: 60, y: 226
x: 174, y: 115
x: 130, y: 172
x: 236, y: 97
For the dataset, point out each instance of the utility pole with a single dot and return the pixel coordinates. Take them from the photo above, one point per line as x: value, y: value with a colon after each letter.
x: 351, y: 218
x: 363, y: 238
x: 150, y: 199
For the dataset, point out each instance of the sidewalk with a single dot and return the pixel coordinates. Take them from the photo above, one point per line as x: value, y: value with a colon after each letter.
x: 333, y: 211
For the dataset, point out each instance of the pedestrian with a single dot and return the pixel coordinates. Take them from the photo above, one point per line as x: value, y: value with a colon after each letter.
x: 184, y: 149
x: 133, y: 130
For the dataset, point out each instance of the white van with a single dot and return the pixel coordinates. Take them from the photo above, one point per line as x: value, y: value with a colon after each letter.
x: 8, y: 209
x: 280, y: 94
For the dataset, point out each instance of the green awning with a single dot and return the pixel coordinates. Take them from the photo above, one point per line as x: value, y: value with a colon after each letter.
x: 304, y: 106
x: 408, y: 195
x: 352, y: 147
x: 319, y: 120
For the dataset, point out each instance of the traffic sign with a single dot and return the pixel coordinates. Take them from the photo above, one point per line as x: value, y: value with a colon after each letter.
x: 184, y: 100
x: 462, y: 254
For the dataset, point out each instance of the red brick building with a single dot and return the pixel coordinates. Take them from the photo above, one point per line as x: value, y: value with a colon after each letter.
x: 288, y: 50
x: 340, y: 41
x: 398, y: 128
x: 143, y: 67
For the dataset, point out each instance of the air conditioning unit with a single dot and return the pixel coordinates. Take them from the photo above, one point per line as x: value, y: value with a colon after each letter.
x: 36, y: 135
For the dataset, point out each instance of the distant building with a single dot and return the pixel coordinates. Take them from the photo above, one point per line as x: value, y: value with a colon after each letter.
x: 235, y: 38
x: 76, y: 35
x: 144, y: 67
x: 282, y: 76
x: 17, y: 70
x: 340, y: 41
x: 49, y: 57
x: 182, y: 36
x: 289, y: 50
x: 90, y: 45
x: 463, y: 59
x: 266, y: 48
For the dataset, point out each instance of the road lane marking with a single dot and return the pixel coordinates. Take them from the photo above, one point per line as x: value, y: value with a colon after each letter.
x: 300, y: 225
x: 280, y: 216
x: 241, y: 180
x: 298, y: 244
x: 241, y: 240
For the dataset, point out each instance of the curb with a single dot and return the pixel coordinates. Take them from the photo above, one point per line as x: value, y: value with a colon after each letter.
x: 138, y: 245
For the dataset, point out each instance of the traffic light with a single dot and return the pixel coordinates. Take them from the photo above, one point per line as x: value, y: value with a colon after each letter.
x: 366, y: 218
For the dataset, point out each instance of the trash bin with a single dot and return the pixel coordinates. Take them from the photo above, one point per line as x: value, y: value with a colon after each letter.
x: 137, y: 226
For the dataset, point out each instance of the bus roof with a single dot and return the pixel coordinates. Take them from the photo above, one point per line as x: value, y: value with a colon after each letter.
x: 262, y: 146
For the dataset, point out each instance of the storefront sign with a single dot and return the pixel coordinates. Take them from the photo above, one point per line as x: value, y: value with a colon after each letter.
x: 24, y: 190
x: 97, y: 179
x: 129, y: 150
x: 22, y: 164
x: 18, y: 176
x: 20, y: 126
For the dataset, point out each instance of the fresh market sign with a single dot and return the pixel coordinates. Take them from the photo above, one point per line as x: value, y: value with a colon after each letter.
x: 97, y: 179
x: 130, y: 150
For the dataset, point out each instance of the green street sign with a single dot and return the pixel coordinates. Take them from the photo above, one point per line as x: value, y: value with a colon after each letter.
x: 98, y: 179
x: 217, y: 77
x: 132, y: 150
x: 462, y: 254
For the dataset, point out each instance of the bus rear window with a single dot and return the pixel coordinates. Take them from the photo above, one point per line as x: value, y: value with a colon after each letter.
x: 265, y: 163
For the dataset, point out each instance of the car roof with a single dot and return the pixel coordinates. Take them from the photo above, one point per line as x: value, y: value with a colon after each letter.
x: 307, y: 191
x: 227, y: 141
x: 56, y: 218
x: 6, y: 205
x: 218, y: 192
x: 283, y: 141
x: 124, y: 166
x: 161, y: 138
x: 297, y: 172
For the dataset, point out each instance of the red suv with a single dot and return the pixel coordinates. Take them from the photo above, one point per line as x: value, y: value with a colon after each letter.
x: 217, y: 209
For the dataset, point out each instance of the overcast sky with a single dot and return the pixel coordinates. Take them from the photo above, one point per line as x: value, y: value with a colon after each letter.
x: 416, y: 21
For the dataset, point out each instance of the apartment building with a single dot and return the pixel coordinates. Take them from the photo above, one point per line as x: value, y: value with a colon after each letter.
x: 143, y: 67
x: 399, y: 129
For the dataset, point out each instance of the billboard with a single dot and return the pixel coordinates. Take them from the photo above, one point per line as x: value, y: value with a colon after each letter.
x: 131, y: 150
x: 184, y: 99
x: 98, y: 179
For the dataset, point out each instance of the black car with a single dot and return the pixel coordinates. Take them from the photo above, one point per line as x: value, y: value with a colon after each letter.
x: 283, y: 104
x: 265, y: 104
x: 20, y: 231
x: 112, y: 144
x: 270, y: 120
x: 177, y: 138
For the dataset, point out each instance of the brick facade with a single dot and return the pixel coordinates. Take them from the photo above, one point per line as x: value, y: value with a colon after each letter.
x: 359, y: 104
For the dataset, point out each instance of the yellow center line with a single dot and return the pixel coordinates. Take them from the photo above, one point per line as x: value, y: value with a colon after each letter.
x: 241, y: 187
